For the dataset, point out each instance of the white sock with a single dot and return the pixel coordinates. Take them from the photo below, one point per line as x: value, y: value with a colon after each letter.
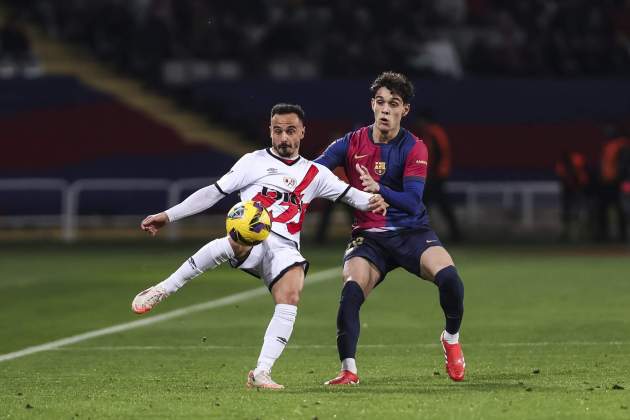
x: 349, y: 364
x: 209, y: 256
x: 451, y: 338
x: 276, y: 337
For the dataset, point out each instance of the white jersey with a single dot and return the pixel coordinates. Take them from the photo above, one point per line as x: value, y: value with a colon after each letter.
x: 284, y: 187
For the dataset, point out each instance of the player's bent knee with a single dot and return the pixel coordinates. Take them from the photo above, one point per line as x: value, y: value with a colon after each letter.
x: 448, y: 278
x: 288, y: 297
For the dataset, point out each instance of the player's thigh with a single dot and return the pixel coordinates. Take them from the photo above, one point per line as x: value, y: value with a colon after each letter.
x: 288, y: 288
x: 283, y: 270
x: 363, y: 272
x: 432, y: 260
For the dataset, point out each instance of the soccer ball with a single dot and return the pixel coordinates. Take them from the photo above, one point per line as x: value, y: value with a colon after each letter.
x: 248, y: 223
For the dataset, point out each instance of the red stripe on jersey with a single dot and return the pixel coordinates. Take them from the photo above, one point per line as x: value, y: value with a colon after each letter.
x: 364, y: 152
x: 266, y: 202
x: 308, y: 178
x: 295, y: 227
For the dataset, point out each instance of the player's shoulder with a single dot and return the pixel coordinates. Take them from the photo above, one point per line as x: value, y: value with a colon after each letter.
x: 360, y: 134
x: 412, y: 145
x: 259, y: 154
x: 322, y: 170
x: 256, y: 154
x: 410, y: 137
x: 411, y: 141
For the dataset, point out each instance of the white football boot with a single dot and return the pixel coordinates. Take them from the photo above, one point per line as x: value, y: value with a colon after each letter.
x: 147, y: 299
x: 262, y: 380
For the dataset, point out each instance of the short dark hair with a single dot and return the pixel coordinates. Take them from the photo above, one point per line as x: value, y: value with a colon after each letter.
x: 397, y: 83
x: 282, y: 109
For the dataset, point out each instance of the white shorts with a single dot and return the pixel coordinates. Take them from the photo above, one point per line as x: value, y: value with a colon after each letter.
x: 271, y: 259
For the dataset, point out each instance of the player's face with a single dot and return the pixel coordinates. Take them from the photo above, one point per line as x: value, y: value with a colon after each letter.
x: 287, y: 131
x: 388, y: 110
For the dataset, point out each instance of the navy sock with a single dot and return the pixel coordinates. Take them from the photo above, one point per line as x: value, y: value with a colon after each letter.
x: 348, y: 325
x: 451, y: 297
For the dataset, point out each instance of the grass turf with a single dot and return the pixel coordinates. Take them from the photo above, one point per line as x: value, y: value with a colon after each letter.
x: 546, y: 335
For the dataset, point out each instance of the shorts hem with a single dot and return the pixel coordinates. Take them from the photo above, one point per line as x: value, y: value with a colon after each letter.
x: 305, y: 264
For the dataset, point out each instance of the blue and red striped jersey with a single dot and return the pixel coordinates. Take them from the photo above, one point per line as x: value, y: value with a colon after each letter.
x: 400, y: 168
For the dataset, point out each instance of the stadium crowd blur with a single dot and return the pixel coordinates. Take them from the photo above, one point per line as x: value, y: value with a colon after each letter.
x: 307, y: 39
x: 170, y: 44
x: 596, y: 197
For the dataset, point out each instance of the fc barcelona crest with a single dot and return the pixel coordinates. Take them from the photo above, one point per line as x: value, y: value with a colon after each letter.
x: 379, y: 167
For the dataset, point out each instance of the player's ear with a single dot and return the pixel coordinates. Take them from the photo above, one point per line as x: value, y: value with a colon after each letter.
x: 372, y: 102
x: 406, y: 109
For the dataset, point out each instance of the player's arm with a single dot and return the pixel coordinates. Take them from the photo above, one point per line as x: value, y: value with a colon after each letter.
x: 197, y: 202
x: 335, y: 153
x: 332, y: 188
x: 414, y: 174
x: 201, y: 199
x: 364, y: 201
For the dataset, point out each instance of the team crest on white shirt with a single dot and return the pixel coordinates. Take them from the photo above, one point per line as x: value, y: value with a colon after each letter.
x: 289, y: 182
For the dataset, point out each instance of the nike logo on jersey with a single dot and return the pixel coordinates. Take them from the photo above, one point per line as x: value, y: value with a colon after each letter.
x: 357, y: 157
x: 431, y: 240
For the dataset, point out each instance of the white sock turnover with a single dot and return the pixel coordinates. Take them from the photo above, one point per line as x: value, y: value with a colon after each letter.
x: 451, y: 338
x: 349, y: 364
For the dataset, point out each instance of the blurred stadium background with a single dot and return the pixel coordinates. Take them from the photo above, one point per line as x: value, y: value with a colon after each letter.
x: 110, y: 110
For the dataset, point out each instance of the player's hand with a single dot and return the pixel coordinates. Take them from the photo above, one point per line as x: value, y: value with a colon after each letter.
x: 378, y: 205
x: 368, y: 182
x: 154, y: 222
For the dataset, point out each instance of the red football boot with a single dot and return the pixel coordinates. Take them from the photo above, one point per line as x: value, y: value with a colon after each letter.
x: 455, y: 364
x: 345, y: 377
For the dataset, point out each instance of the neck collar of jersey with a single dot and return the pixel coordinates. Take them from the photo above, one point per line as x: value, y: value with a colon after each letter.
x: 400, y: 135
x: 288, y: 162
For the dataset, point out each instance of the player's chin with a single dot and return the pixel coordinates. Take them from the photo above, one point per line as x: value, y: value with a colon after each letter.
x: 285, y: 151
x: 383, y: 126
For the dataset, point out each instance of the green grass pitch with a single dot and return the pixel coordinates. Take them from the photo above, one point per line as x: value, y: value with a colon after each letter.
x: 546, y: 334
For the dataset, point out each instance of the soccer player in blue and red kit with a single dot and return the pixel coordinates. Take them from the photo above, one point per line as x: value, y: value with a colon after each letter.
x: 385, y: 158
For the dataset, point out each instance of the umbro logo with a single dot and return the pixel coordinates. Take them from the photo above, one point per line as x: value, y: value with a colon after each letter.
x: 357, y: 157
x: 272, y: 170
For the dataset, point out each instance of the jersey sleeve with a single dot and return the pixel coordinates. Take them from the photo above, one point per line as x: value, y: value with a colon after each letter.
x: 329, y: 186
x: 407, y: 200
x: 240, y: 176
x: 414, y: 175
x: 335, y: 153
x: 416, y: 163
x: 197, y: 202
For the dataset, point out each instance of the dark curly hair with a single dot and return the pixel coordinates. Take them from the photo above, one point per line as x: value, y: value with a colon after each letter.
x: 397, y: 83
x: 283, y: 109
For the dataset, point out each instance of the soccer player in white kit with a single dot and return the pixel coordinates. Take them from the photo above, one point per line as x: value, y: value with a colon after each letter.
x: 285, y: 183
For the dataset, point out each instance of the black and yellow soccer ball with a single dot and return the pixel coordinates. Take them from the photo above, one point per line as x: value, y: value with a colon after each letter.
x: 248, y: 223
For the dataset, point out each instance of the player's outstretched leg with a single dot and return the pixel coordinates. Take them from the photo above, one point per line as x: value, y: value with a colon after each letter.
x: 348, y: 329
x: 452, y: 301
x: 209, y: 256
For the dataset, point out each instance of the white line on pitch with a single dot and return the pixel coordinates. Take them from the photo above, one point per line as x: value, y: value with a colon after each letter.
x: 332, y: 346
x: 212, y: 304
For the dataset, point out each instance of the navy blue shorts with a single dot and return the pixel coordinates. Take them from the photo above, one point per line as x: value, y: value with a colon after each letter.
x: 392, y: 249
